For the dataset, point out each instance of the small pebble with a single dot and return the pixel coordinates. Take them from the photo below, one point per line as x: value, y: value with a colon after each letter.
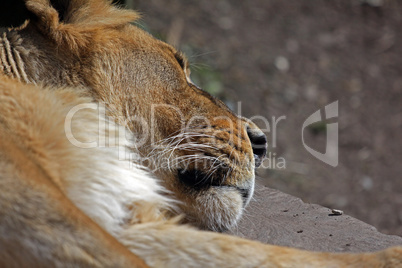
x: 336, y: 212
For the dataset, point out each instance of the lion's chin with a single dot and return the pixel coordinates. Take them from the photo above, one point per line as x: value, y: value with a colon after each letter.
x: 218, y: 208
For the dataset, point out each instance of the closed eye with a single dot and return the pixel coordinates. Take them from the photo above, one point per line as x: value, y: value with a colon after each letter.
x: 183, y: 62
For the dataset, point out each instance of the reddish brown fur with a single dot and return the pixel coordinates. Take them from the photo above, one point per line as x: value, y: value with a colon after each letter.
x: 91, y: 45
x: 31, y: 200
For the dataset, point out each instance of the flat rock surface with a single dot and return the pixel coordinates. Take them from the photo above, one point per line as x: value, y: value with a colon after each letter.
x: 281, y: 219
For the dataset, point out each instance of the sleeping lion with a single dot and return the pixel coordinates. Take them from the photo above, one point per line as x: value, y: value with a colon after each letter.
x: 111, y: 157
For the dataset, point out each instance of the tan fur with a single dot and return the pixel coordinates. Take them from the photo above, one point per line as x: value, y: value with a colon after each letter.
x: 46, y: 218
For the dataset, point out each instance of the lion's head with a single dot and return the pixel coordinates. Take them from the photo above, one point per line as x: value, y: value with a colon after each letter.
x: 202, y: 152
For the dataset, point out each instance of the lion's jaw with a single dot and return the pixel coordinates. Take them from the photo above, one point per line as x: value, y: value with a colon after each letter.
x: 201, y: 151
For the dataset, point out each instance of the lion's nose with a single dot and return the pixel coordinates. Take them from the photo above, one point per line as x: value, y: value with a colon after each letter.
x: 258, y: 143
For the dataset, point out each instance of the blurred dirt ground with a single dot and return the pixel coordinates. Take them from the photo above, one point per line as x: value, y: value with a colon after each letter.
x: 291, y: 58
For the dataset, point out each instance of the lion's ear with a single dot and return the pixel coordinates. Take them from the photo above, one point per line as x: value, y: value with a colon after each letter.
x: 71, y: 22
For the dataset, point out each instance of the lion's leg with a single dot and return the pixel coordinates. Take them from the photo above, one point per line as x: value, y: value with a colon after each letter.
x: 169, y: 245
x: 40, y: 227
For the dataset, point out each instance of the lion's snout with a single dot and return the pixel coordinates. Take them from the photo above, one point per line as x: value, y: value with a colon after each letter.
x: 259, y: 144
